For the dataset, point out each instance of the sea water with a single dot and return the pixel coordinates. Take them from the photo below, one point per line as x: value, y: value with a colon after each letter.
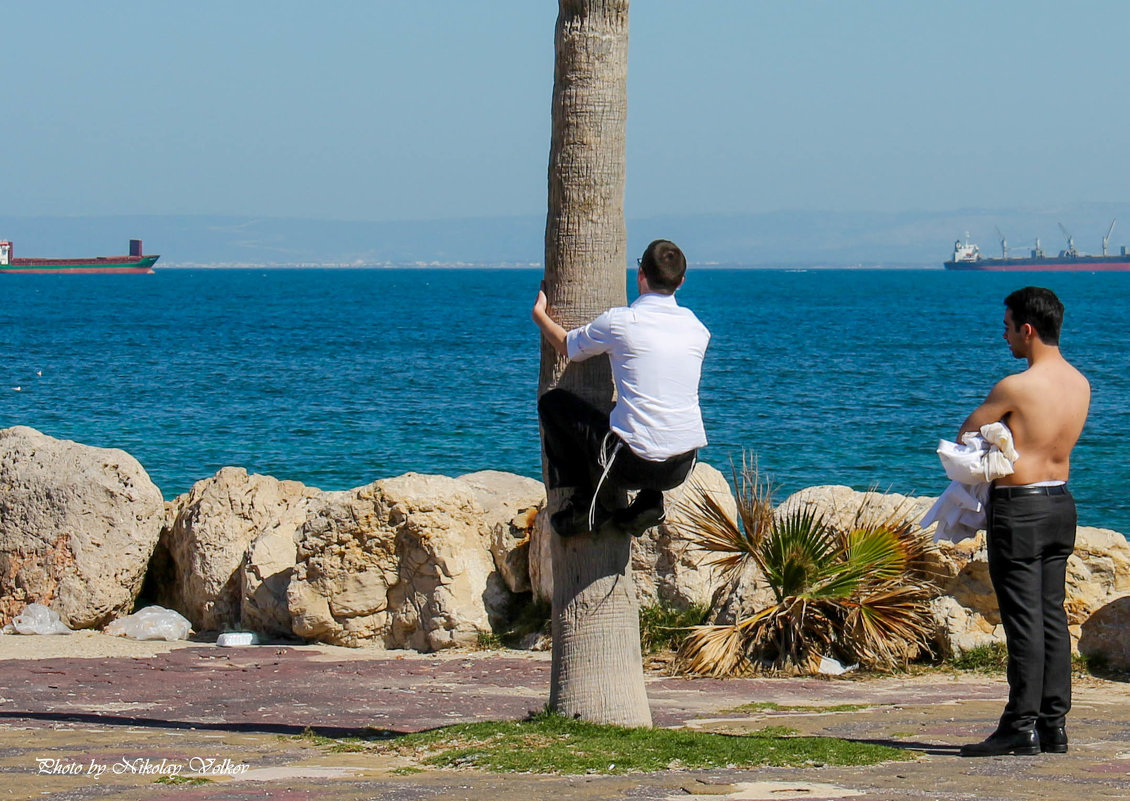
x: 336, y: 378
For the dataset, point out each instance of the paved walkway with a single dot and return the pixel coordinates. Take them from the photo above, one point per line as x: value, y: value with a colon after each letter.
x: 94, y: 728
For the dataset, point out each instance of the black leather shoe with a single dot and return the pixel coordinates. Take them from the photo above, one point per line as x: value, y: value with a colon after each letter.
x: 1021, y: 743
x: 643, y: 513
x: 1053, y: 740
x: 573, y: 517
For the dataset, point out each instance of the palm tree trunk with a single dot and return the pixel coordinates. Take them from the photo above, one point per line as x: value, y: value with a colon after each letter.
x: 597, y: 671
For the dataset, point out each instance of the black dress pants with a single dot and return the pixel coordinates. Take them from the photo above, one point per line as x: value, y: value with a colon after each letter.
x: 1030, y: 538
x: 578, y: 443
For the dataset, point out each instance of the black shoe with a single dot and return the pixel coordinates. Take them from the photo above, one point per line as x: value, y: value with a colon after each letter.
x: 1021, y: 743
x: 1053, y: 740
x: 573, y: 517
x: 639, y: 517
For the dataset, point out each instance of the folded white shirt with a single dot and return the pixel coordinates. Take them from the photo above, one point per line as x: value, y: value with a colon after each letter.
x: 982, y: 457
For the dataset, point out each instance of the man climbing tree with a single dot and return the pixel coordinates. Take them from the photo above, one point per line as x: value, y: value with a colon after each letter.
x: 597, y: 671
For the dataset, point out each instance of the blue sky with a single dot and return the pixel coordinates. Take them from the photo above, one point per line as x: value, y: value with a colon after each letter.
x: 435, y: 109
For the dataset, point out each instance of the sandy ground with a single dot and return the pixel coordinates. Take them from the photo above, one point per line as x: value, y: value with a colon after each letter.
x: 89, y: 644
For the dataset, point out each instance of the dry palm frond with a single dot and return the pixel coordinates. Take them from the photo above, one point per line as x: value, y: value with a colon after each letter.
x: 715, y: 651
x: 716, y: 532
x: 754, y: 499
x: 889, y: 625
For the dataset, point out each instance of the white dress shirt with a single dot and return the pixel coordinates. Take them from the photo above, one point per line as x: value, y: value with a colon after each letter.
x: 972, y: 466
x: 656, y: 348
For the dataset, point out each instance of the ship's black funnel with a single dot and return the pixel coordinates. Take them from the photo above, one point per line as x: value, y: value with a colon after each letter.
x: 135, y: 248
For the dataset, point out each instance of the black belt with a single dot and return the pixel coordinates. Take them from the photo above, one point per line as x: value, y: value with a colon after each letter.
x: 1020, y: 492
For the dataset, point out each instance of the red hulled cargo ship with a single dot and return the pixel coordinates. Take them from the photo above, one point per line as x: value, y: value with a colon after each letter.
x: 967, y: 256
x: 135, y: 262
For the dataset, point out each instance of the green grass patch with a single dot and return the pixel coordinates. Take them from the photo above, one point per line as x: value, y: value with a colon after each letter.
x: 776, y: 731
x: 991, y: 658
x: 489, y: 642
x: 182, y: 780
x: 769, y: 706
x: 663, y: 628
x: 549, y: 743
x: 310, y: 736
x: 347, y: 744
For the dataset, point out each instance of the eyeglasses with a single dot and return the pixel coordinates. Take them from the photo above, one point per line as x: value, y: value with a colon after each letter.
x: 639, y: 261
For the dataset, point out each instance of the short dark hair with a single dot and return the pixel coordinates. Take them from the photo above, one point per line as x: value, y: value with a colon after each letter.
x: 1040, y: 308
x: 664, y: 265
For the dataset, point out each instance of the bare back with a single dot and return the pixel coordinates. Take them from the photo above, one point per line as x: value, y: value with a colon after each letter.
x: 1047, y: 406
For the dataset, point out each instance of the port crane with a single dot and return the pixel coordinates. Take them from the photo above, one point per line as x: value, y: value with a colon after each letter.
x: 1071, y: 252
x: 1106, y: 239
x: 1004, y: 242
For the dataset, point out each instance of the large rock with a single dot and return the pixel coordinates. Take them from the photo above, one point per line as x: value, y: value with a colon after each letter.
x: 231, y: 540
x: 1098, y: 572
x: 1104, y: 634
x: 539, y: 558
x: 510, y: 506
x: 77, y: 527
x: 960, y: 629
x: 668, y: 565
x: 404, y: 561
x: 841, y: 504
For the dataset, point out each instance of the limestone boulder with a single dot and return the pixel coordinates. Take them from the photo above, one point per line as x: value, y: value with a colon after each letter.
x: 539, y: 559
x: 842, y: 505
x: 231, y: 542
x: 510, y: 506
x: 78, y: 525
x: 1104, y: 634
x: 669, y: 567
x: 404, y: 561
x: 1097, y: 573
x: 960, y: 629
x: 345, y: 562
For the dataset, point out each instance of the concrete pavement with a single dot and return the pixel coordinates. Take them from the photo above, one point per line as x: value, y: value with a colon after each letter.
x: 92, y: 727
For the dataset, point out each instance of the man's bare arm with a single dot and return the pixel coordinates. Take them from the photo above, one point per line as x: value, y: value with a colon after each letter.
x: 995, y: 408
x: 554, y: 334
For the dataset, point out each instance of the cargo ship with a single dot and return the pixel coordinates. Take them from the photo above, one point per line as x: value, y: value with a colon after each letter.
x: 967, y: 256
x: 135, y: 262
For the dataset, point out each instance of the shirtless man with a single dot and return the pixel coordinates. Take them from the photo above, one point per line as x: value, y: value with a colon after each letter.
x: 1031, y: 528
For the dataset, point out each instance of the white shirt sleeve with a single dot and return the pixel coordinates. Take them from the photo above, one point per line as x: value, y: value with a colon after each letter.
x: 590, y: 340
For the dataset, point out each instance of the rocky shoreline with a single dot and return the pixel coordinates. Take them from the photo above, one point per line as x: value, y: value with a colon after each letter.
x: 420, y: 562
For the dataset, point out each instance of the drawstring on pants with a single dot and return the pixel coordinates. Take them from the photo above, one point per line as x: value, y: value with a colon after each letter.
x: 606, y: 460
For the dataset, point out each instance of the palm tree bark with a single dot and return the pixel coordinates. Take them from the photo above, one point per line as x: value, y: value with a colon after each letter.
x: 597, y: 671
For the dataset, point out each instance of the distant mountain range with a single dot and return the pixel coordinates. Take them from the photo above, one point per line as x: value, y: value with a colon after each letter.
x: 778, y: 239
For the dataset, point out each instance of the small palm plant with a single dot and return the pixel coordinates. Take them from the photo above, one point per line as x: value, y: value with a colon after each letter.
x: 859, y: 593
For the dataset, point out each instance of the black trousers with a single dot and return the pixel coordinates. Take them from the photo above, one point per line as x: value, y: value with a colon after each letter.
x: 1030, y: 538
x: 578, y: 443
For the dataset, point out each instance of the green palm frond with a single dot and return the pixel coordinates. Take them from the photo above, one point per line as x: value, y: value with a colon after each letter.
x: 798, y: 554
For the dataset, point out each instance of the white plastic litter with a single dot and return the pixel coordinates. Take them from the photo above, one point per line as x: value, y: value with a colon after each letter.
x: 234, y: 639
x: 39, y: 619
x: 832, y: 667
x: 151, y: 623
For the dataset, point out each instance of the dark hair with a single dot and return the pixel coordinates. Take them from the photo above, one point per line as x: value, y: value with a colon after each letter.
x: 664, y: 265
x: 1039, y: 308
